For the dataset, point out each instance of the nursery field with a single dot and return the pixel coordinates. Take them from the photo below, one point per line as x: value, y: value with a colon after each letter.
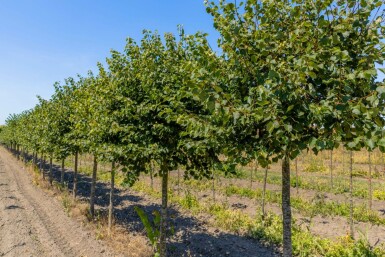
x: 270, y: 143
x: 234, y: 215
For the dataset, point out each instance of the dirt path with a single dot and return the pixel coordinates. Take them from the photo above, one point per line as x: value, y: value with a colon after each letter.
x: 34, y: 224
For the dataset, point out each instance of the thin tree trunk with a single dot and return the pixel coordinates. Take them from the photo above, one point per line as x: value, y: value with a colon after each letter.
x: 50, y: 171
x: 286, y: 208
x: 382, y: 155
x: 43, y: 171
x: 33, y: 160
x: 343, y: 161
x: 62, y: 172
x: 213, y: 185
x: 163, y: 219
x: 296, y: 175
x: 41, y: 163
x: 152, y: 175
x: 370, y: 193
x: 264, y: 194
x: 74, y: 191
x: 351, y: 196
x: 93, y: 185
x: 178, y: 181
x: 251, y: 175
x: 111, y: 206
x: 331, y: 169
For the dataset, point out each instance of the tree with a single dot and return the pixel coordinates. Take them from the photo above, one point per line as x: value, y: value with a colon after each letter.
x: 159, y: 118
x: 300, y: 71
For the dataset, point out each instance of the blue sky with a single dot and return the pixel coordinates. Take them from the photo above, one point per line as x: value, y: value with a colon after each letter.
x: 43, y: 41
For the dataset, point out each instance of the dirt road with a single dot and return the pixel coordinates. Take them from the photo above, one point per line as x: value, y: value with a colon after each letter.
x: 35, y: 224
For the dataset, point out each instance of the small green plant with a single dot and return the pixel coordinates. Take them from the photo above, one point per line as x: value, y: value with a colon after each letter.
x: 189, y: 200
x: 315, y: 166
x: 294, y: 181
x: 67, y: 203
x: 151, y: 227
x: 378, y: 194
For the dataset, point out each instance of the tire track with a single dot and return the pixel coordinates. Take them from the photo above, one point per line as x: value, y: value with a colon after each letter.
x: 58, y: 234
x: 52, y: 230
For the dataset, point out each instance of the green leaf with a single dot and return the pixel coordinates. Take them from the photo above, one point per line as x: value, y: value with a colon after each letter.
x: 370, y: 143
x: 380, y: 89
x: 381, y: 142
x: 273, y: 75
x: 236, y: 116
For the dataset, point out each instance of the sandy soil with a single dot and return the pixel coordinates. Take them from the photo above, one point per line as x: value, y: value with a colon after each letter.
x: 35, y: 224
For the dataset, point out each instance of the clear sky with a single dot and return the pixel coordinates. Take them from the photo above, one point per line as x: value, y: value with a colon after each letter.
x: 43, y: 41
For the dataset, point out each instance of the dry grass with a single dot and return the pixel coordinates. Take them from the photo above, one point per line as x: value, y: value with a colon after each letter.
x: 123, y: 242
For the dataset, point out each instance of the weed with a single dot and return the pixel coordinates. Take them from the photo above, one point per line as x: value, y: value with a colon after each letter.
x: 189, y: 201
x: 67, y: 203
x: 315, y: 166
x: 378, y: 194
x: 152, y: 227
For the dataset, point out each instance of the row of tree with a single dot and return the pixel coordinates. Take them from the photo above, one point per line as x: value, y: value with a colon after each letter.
x: 291, y: 75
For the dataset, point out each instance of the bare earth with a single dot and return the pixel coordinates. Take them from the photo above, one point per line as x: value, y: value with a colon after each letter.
x: 35, y: 224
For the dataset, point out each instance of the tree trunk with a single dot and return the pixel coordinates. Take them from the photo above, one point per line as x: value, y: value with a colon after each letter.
x: 93, y: 185
x: 62, y: 172
x: 50, y: 171
x: 35, y: 157
x: 331, y: 169
x: 286, y: 208
x: 43, y: 171
x: 178, y: 181
x: 370, y: 193
x: 75, y: 175
x: 264, y: 194
x: 251, y: 177
x: 41, y: 163
x: 163, y: 219
x: 25, y: 155
x: 33, y: 160
x: 213, y: 185
x: 343, y: 161
x: 296, y: 176
x: 111, y: 206
x: 152, y: 176
x: 351, y: 197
